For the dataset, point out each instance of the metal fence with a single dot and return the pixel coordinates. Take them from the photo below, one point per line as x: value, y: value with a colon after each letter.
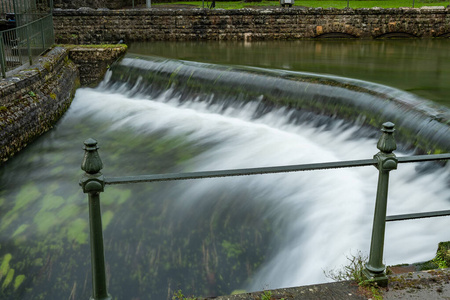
x: 93, y: 183
x: 23, y: 44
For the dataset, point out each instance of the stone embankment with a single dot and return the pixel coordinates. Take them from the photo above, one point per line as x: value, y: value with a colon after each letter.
x: 96, y: 26
x: 32, y: 100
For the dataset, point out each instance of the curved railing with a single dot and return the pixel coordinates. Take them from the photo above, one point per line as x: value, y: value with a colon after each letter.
x: 93, y: 183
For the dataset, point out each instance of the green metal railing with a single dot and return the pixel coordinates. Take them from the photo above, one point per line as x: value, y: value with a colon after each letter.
x: 23, y: 44
x: 93, y: 183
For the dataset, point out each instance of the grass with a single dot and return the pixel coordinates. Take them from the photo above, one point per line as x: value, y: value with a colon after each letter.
x: 316, y: 3
x: 354, y: 271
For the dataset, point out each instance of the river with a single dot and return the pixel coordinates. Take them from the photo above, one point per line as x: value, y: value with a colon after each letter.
x: 212, y: 236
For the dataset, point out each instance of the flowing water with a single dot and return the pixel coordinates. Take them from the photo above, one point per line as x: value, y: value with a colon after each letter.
x: 206, y: 237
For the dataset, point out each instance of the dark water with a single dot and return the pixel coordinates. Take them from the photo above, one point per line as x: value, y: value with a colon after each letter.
x: 418, y: 66
x: 206, y: 237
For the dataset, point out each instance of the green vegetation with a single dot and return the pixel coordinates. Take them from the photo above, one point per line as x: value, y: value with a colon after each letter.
x: 440, y: 261
x: 309, y: 3
x: 267, y: 295
x: 179, y: 296
x: 99, y: 46
x: 354, y: 271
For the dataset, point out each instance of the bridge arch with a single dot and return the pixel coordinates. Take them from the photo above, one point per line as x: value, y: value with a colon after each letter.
x: 396, y: 35
x: 336, y: 30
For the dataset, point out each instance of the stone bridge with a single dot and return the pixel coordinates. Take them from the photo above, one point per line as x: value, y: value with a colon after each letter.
x: 94, y: 26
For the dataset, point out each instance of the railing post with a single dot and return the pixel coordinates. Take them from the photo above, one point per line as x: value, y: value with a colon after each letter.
x: 375, y: 270
x: 93, y: 184
x: 30, y: 58
x: 2, y: 56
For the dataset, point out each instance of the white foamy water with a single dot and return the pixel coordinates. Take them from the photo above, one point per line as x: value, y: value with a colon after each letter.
x: 327, y: 214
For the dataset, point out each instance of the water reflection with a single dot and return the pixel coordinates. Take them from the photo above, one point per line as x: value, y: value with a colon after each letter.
x: 419, y: 66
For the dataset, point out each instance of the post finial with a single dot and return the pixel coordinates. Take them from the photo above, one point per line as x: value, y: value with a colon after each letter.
x: 386, y: 143
x: 92, y: 164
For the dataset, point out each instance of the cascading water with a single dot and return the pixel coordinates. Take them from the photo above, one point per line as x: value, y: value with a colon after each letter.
x: 211, y: 236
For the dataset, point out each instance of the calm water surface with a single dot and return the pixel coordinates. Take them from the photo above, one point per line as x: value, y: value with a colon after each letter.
x: 418, y: 66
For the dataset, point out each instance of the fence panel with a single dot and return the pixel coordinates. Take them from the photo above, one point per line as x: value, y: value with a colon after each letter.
x: 23, y: 44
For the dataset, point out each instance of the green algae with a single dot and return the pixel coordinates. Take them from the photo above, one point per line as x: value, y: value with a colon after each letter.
x: 106, y: 218
x: 4, y: 267
x: 52, y: 202
x: 69, y: 211
x: 8, y: 279
x: 20, y: 230
x: 27, y: 195
x: 114, y: 195
x: 44, y: 221
x: 18, y: 281
x: 8, y: 219
x: 78, y: 231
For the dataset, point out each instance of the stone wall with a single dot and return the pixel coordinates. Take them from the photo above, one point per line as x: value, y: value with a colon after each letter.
x: 93, y: 62
x: 32, y: 100
x: 89, y: 26
x: 111, y: 4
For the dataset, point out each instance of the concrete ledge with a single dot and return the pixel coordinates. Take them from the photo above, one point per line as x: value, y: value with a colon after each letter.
x: 335, y: 290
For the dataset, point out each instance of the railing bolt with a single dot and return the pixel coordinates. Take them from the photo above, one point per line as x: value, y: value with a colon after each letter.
x: 375, y: 270
x: 93, y: 184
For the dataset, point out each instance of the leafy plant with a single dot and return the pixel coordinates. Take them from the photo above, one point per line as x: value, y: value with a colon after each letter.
x: 439, y: 260
x: 179, y: 296
x: 267, y: 295
x: 354, y: 271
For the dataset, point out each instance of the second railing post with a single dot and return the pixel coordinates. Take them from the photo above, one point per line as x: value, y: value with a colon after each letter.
x: 375, y: 270
x: 93, y: 184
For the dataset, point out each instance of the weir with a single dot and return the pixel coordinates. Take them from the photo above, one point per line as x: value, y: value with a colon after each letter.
x: 421, y: 125
x: 212, y: 236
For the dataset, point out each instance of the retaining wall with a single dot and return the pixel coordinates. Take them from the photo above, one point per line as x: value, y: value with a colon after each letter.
x: 93, y: 62
x: 89, y: 26
x: 33, y: 100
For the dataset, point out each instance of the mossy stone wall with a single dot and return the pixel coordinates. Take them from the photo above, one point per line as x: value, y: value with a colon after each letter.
x: 93, y: 62
x: 32, y: 100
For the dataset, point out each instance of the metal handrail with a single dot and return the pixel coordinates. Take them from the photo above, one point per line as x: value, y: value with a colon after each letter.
x: 29, y: 40
x: 93, y: 183
x: 268, y: 170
